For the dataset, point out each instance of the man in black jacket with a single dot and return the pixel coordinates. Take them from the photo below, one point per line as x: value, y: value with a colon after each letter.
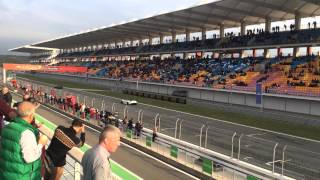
x: 64, y: 139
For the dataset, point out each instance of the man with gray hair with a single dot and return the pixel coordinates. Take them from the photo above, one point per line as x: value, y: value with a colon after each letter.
x: 21, y: 146
x: 95, y: 162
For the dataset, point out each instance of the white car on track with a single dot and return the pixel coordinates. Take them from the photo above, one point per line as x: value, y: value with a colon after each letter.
x: 129, y: 102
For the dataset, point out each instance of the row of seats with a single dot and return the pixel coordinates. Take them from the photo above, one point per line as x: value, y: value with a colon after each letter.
x: 292, y: 76
x: 285, y: 75
x: 263, y: 38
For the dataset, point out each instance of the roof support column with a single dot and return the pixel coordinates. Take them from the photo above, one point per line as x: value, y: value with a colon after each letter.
x: 221, y: 30
x: 296, y: 52
x: 174, y: 37
x: 161, y: 38
x: 123, y: 44
x: 297, y: 21
x: 243, y: 28
x: 266, y: 53
x: 309, y: 50
x: 267, y: 26
x: 185, y: 55
x: 150, y: 40
x: 241, y: 54
x: 204, y: 34
x: 131, y: 43
x: 140, y: 42
x: 187, y: 35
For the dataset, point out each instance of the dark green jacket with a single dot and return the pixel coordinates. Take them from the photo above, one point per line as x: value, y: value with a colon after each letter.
x: 12, y: 164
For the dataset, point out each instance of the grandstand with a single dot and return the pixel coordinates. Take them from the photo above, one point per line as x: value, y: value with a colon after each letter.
x: 219, y: 65
x: 205, y: 61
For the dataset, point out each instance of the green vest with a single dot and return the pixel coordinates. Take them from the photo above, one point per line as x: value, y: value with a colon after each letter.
x: 12, y: 164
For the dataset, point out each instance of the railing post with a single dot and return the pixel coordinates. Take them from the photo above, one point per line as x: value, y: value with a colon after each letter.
x: 139, y: 112
x: 201, y: 134
x: 239, y: 148
x: 206, y: 140
x: 282, y: 168
x: 274, y: 154
x: 234, y: 134
x: 175, y: 131
x: 125, y: 111
x: 180, y: 128
x: 159, y: 119
x: 77, y: 175
x: 102, y: 105
x: 141, y: 117
x: 155, y: 121
x: 113, y: 107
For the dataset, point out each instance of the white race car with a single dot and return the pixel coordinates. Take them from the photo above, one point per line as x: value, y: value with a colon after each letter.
x: 129, y: 102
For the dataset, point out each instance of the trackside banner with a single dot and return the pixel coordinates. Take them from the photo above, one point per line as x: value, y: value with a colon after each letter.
x: 34, y: 67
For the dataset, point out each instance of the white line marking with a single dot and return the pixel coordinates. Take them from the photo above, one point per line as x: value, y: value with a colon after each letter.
x: 269, y: 163
x: 248, y: 157
x: 164, y: 129
x: 258, y: 134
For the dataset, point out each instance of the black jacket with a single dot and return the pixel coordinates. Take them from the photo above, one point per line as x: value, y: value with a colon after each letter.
x: 64, y: 139
x: 7, y: 98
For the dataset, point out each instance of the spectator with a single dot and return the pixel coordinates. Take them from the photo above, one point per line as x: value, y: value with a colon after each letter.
x: 138, y: 127
x: 154, y: 134
x: 95, y: 162
x: 125, y: 123
x: 20, y: 152
x: 130, y: 124
x: 64, y: 139
x: 7, y: 112
x: 5, y: 95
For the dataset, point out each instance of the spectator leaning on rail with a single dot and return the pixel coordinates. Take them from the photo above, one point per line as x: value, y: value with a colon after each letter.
x: 64, y: 139
x: 95, y: 162
x: 21, y: 147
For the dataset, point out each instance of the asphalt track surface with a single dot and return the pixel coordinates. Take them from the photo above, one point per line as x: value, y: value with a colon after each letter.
x: 136, y: 162
x: 302, y: 156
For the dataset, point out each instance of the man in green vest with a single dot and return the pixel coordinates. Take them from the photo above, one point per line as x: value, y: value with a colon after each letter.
x: 21, y: 147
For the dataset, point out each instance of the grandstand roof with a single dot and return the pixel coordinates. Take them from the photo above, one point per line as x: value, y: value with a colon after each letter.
x: 230, y: 13
x: 32, y: 49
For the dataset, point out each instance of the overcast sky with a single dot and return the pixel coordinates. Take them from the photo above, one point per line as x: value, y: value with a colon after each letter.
x: 23, y: 22
x: 27, y: 21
